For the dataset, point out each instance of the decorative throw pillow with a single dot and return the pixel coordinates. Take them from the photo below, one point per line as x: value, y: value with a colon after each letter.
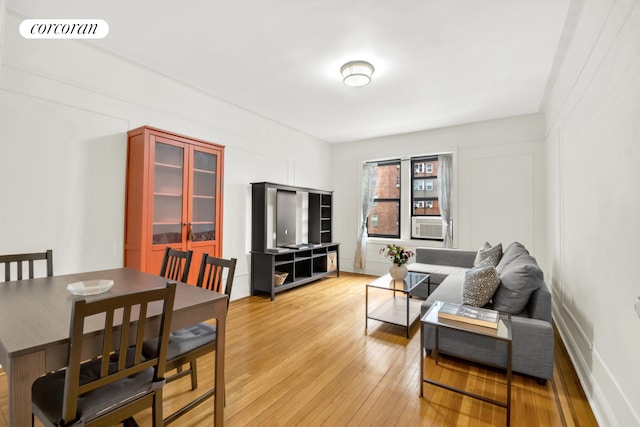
x: 487, y: 262
x: 494, y: 254
x: 484, y: 247
x: 479, y: 285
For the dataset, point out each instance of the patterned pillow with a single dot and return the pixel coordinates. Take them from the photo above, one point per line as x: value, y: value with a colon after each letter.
x: 484, y: 247
x: 494, y: 254
x: 487, y: 262
x: 479, y: 285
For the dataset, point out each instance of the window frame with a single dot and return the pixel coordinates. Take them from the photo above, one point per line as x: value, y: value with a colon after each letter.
x: 408, y: 166
x: 376, y: 201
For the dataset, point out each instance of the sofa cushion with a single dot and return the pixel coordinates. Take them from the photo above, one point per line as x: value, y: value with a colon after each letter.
x: 518, y: 280
x: 436, y: 269
x: 513, y: 251
x: 479, y: 285
x: 450, y: 290
x: 492, y: 254
x: 445, y: 256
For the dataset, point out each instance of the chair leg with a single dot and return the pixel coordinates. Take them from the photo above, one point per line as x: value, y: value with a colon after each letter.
x: 130, y: 422
x: 156, y: 411
x: 194, y: 375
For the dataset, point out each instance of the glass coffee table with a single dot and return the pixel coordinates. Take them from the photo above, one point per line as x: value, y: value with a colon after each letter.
x: 400, y: 309
x: 502, y: 333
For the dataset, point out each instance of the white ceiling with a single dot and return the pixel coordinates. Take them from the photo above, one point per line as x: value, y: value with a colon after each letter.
x: 438, y: 62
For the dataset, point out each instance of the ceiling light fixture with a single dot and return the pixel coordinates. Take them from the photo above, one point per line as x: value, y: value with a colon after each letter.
x: 356, y: 73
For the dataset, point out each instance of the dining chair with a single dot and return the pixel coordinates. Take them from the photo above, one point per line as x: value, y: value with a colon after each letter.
x: 26, y: 260
x: 176, y: 264
x: 188, y: 344
x: 113, y: 387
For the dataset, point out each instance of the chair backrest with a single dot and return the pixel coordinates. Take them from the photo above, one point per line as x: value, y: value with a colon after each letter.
x: 115, y: 364
x: 211, y: 274
x: 20, y: 260
x: 176, y: 264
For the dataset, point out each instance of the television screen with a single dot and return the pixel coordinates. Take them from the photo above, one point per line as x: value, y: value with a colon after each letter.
x: 285, y: 218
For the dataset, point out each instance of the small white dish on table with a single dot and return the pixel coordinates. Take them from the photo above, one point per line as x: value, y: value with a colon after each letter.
x: 90, y: 287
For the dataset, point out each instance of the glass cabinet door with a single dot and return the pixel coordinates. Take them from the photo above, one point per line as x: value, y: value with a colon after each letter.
x: 203, y: 202
x: 167, y: 194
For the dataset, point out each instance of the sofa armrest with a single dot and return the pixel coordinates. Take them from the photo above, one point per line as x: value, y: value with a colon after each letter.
x: 533, y: 347
x: 539, y: 305
x: 445, y: 256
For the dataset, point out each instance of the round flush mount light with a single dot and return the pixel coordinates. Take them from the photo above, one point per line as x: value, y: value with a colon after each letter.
x: 356, y: 73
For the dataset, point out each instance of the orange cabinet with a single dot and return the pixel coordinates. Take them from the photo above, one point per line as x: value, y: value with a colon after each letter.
x: 173, y: 198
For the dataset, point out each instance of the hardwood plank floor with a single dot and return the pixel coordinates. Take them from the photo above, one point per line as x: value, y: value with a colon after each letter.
x: 305, y: 359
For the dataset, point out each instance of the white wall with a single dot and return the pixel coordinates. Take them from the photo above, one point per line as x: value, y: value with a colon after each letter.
x: 499, y: 179
x: 65, y: 108
x: 593, y: 120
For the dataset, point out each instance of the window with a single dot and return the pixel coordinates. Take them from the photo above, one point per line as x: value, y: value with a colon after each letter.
x: 399, y: 204
x: 385, y: 208
x: 424, y: 197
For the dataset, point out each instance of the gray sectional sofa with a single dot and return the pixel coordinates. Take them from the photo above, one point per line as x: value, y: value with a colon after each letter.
x: 521, y: 291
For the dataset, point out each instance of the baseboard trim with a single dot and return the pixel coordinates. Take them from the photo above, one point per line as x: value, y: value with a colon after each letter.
x: 602, y: 403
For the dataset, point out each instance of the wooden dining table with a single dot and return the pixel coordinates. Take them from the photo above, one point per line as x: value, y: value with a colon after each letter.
x: 34, y: 327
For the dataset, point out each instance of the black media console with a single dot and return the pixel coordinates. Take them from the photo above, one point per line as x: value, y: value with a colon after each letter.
x: 275, y: 269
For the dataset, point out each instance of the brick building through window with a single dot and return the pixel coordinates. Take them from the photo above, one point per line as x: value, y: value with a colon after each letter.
x: 384, y: 217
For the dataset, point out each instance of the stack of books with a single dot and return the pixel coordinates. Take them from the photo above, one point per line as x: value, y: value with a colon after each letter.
x: 468, y: 314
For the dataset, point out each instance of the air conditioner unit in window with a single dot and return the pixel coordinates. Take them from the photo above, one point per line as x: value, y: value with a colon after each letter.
x: 427, y: 227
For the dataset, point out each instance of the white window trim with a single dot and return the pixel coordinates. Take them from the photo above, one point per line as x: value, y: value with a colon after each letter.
x: 406, y: 209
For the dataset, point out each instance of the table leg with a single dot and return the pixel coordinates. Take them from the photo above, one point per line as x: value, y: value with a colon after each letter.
x: 436, y: 355
x: 421, y: 358
x: 21, y: 373
x: 408, y: 299
x: 366, y: 308
x: 509, y: 349
x: 219, y: 399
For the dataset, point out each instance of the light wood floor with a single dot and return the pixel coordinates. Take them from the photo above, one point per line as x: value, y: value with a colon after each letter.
x: 305, y: 359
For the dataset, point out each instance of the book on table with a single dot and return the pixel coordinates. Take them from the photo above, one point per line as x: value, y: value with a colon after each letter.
x: 469, y: 314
